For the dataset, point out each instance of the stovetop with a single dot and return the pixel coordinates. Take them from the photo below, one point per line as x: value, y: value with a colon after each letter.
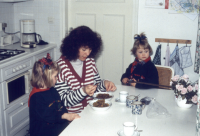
x: 6, y: 54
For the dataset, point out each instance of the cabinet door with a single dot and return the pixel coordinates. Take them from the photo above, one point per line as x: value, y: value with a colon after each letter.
x: 44, y: 54
x: 16, y: 118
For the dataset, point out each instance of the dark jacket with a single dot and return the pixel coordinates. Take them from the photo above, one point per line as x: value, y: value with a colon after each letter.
x: 143, y: 73
x: 45, y: 111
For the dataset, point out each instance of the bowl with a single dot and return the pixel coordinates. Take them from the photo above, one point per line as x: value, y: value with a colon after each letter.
x: 95, y: 95
x: 100, y: 108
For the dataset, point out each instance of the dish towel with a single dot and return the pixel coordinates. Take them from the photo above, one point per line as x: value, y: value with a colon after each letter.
x: 197, y: 58
x: 157, y: 57
x: 185, y: 57
x: 167, y: 56
x: 175, y: 62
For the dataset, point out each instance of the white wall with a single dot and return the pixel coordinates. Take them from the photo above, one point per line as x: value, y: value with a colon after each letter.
x: 7, y: 16
x: 158, y: 23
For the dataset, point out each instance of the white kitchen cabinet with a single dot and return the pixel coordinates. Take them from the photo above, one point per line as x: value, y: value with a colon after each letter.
x: 17, y: 117
x: 14, y: 0
x: 2, y: 125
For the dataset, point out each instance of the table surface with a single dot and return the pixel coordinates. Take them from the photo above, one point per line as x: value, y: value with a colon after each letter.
x: 92, y: 123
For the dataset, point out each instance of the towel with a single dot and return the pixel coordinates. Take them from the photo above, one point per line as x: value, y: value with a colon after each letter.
x: 167, y: 56
x: 157, y: 57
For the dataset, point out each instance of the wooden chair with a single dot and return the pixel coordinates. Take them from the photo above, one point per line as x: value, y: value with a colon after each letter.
x: 165, y: 74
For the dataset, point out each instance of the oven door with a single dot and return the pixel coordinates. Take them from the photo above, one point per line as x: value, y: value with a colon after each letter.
x: 16, y: 87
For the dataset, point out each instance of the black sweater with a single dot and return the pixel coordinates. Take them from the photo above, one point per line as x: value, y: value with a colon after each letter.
x: 45, y: 111
x: 143, y: 73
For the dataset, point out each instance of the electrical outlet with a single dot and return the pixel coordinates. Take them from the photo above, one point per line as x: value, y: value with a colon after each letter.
x: 4, y: 25
x: 50, y: 20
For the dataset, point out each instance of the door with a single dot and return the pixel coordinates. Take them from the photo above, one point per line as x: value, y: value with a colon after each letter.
x: 113, y: 20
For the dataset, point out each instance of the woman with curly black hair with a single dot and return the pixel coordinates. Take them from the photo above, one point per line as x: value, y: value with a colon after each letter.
x: 79, y: 78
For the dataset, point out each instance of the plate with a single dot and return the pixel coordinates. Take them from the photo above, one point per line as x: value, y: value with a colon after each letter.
x: 95, y: 95
x: 118, y: 100
x: 100, y: 108
x: 121, y: 133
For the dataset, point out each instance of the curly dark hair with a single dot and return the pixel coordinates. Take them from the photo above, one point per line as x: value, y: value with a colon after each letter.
x: 78, y: 37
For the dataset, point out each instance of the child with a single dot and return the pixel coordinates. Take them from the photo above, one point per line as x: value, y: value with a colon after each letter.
x: 48, y: 115
x: 142, y: 69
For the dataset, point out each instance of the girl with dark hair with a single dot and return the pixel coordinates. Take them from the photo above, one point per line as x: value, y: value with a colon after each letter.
x: 142, y: 69
x: 79, y: 78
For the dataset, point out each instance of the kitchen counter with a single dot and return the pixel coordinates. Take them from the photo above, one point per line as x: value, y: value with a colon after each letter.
x: 28, y: 52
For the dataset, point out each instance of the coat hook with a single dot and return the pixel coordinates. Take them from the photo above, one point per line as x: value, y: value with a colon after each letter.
x: 177, y: 43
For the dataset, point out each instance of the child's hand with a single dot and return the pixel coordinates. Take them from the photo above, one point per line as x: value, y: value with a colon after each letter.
x: 70, y: 116
x: 133, y: 84
x: 89, y: 89
x: 125, y: 80
x: 110, y: 86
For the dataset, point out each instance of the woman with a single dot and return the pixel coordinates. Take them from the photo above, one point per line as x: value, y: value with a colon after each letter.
x: 79, y: 78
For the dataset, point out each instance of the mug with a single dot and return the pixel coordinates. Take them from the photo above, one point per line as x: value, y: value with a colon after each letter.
x: 130, y: 99
x: 137, y: 107
x: 123, y: 95
x: 129, y: 128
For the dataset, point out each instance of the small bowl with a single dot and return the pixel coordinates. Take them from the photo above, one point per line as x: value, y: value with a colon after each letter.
x: 110, y: 94
x: 100, y: 108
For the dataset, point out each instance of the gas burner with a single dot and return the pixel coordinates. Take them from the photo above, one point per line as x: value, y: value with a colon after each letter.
x: 8, y: 53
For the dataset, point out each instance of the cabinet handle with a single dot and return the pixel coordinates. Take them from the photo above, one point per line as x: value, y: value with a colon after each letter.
x: 22, y: 103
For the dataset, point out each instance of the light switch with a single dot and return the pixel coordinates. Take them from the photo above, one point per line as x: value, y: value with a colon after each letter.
x: 50, y: 20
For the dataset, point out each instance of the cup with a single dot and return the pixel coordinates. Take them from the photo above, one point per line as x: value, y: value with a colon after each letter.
x: 129, y: 128
x: 137, y: 107
x: 130, y: 99
x: 123, y: 95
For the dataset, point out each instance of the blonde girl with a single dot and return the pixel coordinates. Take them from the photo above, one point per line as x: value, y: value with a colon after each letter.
x: 48, y: 116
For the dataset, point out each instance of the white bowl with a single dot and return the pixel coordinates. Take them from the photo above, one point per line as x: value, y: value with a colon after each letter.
x: 100, y: 108
x: 95, y: 95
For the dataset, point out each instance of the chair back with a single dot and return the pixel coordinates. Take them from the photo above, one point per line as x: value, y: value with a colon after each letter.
x: 165, y: 73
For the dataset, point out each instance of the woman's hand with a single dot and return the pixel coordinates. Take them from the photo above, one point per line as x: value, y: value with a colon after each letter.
x: 110, y: 86
x: 70, y: 116
x: 89, y: 89
x: 125, y: 80
x: 133, y: 84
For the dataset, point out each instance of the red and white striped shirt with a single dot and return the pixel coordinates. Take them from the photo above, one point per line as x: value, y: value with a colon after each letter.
x: 69, y: 84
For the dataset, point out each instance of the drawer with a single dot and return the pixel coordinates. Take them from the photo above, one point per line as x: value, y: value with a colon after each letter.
x: 44, y: 54
x: 16, y: 119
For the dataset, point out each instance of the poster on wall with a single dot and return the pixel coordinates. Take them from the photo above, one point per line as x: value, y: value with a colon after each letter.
x: 155, y: 3
x: 186, y: 7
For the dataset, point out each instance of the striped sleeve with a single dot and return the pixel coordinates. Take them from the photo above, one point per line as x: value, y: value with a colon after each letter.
x: 100, y: 87
x: 68, y: 96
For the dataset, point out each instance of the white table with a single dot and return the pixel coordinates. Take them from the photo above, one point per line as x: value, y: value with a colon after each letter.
x: 92, y: 123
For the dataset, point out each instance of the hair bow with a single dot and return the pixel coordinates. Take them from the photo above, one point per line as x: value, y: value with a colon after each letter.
x: 46, y: 61
x: 140, y: 37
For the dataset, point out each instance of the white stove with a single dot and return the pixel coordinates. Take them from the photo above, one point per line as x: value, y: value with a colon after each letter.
x: 8, y: 54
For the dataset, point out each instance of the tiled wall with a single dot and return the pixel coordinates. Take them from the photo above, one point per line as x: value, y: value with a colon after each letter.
x: 40, y: 11
x: 7, y: 16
